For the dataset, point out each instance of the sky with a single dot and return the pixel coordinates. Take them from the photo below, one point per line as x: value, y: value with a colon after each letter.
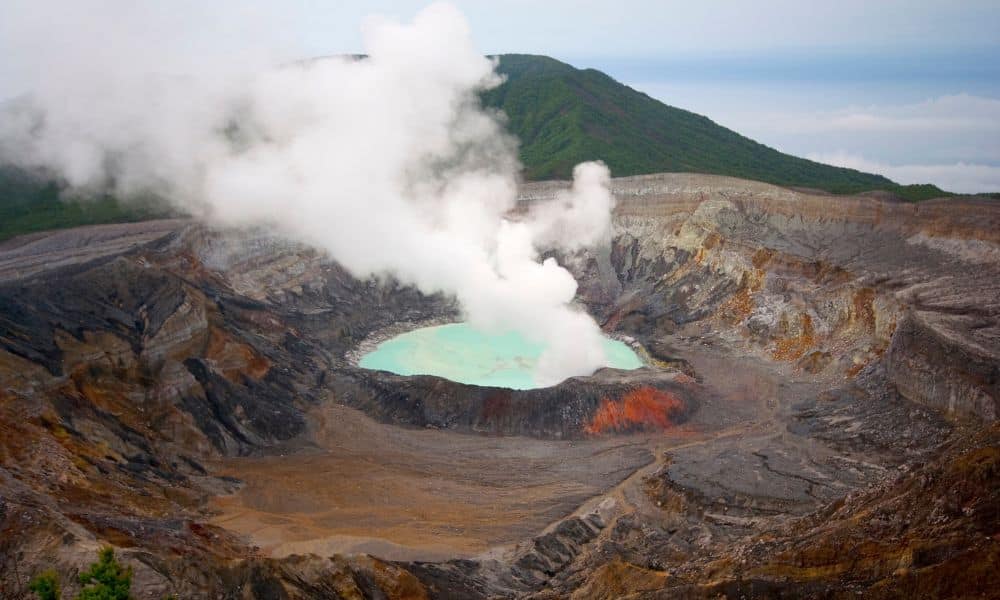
x: 906, y: 88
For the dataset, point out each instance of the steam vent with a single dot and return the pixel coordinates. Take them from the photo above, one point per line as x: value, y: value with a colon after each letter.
x: 790, y: 383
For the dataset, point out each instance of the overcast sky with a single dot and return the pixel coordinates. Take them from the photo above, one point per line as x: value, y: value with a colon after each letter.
x: 664, y: 28
x: 908, y: 88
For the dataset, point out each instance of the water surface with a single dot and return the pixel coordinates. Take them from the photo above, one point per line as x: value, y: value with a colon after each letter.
x: 460, y: 353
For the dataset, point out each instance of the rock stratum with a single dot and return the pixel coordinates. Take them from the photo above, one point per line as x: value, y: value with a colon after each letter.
x: 818, y: 417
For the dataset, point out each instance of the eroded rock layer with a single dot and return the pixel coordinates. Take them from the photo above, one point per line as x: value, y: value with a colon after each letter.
x: 818, y: 417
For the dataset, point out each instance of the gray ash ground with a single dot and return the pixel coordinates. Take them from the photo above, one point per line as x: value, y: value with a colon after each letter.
x: 190, y: 396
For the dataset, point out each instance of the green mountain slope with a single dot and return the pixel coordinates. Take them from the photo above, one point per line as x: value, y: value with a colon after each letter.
x: 562, y: 116
x: 30, y: 203
x: 565, y: 115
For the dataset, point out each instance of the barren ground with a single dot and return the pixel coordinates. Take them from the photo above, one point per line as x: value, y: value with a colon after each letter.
x: 355, y: 485
x: 828, y: 370
x: 408, y: 494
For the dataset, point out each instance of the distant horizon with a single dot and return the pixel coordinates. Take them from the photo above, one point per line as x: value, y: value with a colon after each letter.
x: 909, y: 89
x: 914, y: 120
x: 911, y: 119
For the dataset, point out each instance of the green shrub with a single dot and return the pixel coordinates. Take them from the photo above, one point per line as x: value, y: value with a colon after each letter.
x: 107, y: 579
x: 46, y: 585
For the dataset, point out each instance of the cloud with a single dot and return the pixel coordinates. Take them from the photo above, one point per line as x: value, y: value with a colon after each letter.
x: 951, y: 114
x: 947, y: 130
x: 879, y: 121
x: 958, y: 177
x: 389, y: 163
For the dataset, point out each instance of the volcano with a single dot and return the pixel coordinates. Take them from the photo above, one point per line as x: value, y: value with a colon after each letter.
x: 813, y: 380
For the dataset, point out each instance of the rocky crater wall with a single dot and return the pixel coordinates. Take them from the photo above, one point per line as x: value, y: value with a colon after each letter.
x: 133, y: 355
x: 828, y: 283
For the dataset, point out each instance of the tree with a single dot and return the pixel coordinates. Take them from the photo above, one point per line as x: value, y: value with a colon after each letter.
x: 46, y: 585
x: 107, y: 579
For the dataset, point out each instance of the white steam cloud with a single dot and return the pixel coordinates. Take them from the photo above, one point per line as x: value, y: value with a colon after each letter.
x: 388, y: 163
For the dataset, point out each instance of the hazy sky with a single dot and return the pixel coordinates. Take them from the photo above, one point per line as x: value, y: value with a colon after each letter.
x: 663, y: 29
x: 909, y: 88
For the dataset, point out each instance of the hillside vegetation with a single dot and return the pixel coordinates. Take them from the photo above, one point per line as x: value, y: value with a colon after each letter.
x: 30, y: 203
x: 563, y: 116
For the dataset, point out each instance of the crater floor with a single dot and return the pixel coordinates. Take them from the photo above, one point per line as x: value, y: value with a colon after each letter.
x: 351, y: 484
x: 816, y: 415
x: 405, y: 494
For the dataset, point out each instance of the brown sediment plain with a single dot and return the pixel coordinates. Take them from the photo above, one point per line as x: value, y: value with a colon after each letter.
x: 414, y: 494
x: 841, y: 356
x: 354, y: 485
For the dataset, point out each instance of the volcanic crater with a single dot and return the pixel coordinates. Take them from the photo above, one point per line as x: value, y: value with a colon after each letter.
x: 193, y: 397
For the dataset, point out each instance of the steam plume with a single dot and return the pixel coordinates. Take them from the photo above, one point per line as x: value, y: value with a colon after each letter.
x: 388, y: 163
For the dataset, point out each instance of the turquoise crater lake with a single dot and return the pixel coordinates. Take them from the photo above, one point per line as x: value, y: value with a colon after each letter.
x: 460, y: 353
